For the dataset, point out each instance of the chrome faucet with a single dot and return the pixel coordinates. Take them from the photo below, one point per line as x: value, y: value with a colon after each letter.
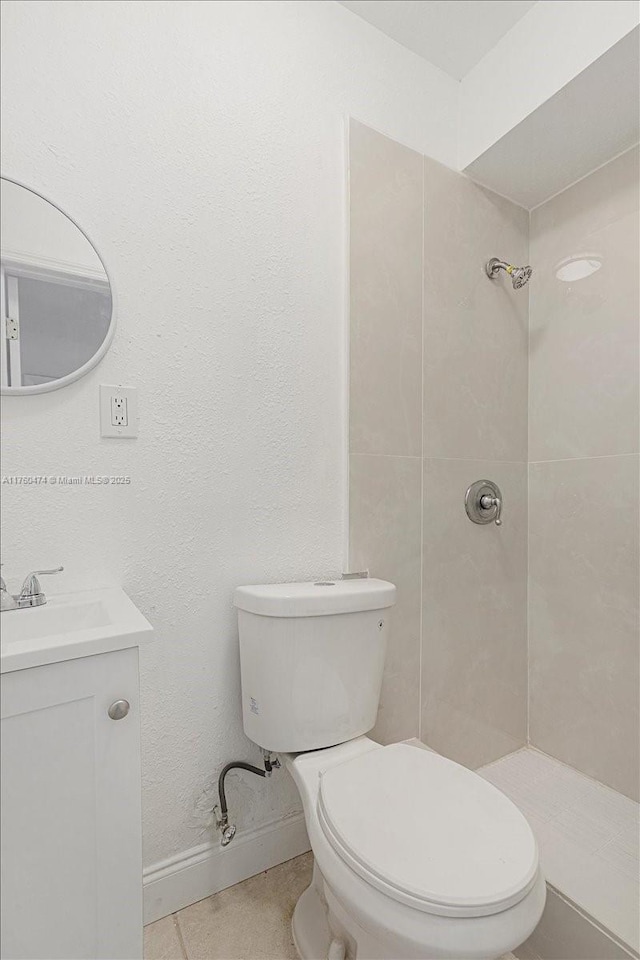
x: 7, y: 602
x: 30, y: 595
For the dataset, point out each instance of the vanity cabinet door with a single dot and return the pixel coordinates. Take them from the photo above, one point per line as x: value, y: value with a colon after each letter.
x: 70, y: 813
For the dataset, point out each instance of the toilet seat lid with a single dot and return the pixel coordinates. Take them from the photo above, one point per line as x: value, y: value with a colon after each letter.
x: 428, y: 832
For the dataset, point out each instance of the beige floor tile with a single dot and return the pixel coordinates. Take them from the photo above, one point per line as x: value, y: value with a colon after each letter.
x: 251, y: 921
x: 162, y: 940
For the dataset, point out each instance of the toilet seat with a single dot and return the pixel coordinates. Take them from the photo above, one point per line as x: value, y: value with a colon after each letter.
x: 427, y: 832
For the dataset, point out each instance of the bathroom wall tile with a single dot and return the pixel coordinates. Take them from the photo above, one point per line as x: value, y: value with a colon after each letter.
x: 474, y: 646
x: 606, y: 195
x: 385, y: 511
x: 583, y: 615
x: 386, y: 295
x: 475, y: 329
x: 584, y: 375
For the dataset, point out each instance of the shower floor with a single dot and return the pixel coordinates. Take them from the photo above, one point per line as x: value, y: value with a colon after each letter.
x: 588, y: 836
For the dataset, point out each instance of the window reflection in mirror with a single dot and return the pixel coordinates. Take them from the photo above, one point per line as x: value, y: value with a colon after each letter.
x: 56, y: 297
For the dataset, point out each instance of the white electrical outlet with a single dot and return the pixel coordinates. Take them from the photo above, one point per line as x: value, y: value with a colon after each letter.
x: 118, y: 411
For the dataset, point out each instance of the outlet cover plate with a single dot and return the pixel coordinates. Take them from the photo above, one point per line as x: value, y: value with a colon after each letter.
x: 118, y: 411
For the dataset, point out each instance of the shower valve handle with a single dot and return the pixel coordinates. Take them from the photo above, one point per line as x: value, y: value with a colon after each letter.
x: 487, y: 503
x: 483, y: 502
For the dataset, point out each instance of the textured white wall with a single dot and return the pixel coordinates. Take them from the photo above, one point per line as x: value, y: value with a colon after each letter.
x: 201, y: 145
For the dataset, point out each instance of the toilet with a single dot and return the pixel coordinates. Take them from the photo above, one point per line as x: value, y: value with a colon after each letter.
x: 416, y: 857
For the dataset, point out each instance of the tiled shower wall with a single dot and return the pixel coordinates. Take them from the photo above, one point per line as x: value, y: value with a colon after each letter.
x: 583, y: 481
x: 385, y: 430
x: 438, y: 361
x: 439, y: 364
x: 474, y: 584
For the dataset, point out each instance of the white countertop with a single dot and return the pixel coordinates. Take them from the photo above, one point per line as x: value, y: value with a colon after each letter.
x: 69, y: 626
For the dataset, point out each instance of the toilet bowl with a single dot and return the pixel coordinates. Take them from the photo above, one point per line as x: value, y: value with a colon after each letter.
x: 416, y: 857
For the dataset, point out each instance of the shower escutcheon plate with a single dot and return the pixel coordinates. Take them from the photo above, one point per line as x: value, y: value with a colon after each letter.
x: 483, y: 502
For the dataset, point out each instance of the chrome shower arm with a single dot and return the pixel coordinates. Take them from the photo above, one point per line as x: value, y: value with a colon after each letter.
x: 494, y: 266
x: 519, y: 275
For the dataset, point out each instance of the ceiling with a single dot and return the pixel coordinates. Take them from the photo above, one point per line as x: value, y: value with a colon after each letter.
x: 584, y: 125
x: 452, y: 34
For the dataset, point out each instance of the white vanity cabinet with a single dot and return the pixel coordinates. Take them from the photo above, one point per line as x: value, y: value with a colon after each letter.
x: 71, y: 808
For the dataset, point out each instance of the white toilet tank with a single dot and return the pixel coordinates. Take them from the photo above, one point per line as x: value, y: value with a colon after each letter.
x: 311, y: 658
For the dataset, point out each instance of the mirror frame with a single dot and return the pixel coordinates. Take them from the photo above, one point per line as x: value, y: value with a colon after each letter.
x: 106, y: 343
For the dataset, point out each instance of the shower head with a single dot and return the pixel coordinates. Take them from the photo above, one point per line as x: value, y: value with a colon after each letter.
x: 519, y: 275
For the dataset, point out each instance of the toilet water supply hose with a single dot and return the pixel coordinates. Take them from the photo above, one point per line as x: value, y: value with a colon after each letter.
x: 337, y: 947
x: 227, y: 829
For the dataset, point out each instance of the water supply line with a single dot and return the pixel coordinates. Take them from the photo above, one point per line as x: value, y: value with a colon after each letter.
x: 228, y: 830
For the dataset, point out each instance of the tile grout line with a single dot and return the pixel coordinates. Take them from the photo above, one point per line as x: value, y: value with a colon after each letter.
x: 420, y: 592
x: 346, y: 537
x: 603, y: 456
x: 389, y: 456
x: 183, y: 947
x: 413, y: 456
x: 585, y: 177
x: 528, y: 514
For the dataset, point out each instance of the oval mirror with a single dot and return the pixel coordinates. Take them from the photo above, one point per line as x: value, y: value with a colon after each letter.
x: 57, y: 309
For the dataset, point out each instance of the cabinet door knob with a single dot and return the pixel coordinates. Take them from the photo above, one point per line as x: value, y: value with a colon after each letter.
x: 119, y: 709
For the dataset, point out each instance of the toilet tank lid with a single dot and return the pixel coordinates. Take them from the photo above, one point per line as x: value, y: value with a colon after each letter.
x: 315, y: 599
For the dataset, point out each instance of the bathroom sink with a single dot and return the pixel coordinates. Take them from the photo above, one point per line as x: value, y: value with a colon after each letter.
x: 55, y: 618
x: 69, y: 626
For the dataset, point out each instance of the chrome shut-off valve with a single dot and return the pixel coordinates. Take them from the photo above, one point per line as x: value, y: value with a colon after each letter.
x: 483, y: 502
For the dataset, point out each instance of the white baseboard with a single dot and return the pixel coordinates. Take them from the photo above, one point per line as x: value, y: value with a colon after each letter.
x: 209, y: 868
